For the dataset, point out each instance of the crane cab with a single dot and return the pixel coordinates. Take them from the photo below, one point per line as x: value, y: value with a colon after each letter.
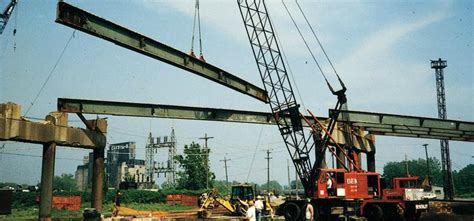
x: 339, y: 183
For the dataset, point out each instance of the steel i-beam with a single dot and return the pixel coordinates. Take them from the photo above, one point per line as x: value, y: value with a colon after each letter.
x: 91, y: 24
x: 80, y: 106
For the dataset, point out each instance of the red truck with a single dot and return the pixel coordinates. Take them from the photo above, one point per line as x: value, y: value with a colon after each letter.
x: 360, y: 194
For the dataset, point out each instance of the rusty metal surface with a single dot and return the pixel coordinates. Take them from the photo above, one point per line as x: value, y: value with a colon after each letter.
x: 410, y: 126
x: 360, y: 140
x: 91, y: 24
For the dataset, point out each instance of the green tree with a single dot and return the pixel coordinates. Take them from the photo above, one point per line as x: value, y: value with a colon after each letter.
x: 193, y: 165
x: 222, y: 187
x: 293, y: 184
x: 65, y: 182
x: 167, y: 185
x: 463, y: 180
x: 415, y: 168
x: 273, y: 185
x: 8, y: 184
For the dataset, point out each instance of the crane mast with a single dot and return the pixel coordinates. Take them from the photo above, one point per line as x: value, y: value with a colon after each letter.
x: 285, y: 109
x: 6, y: 15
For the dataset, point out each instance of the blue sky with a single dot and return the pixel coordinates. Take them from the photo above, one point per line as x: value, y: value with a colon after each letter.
x: 382, y: 49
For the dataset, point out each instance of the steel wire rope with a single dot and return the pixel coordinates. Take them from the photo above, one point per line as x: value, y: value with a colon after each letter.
x: 50, y: 73
x: 199, y: 28
x: 198, y: 15
x: 316, y: 37
x: 288, y: 65
x: 194, y: 27
x: 305, y: 42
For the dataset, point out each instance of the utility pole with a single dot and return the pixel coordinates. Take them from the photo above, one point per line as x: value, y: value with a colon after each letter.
x: 268, y: 169
x: 206, y: 161
x: 225, y: 166
x: 427, y: 164
x: 439, y: 65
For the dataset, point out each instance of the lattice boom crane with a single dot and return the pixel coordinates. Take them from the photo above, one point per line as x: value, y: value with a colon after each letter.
x: 6, y: 15
x: 300, y: 143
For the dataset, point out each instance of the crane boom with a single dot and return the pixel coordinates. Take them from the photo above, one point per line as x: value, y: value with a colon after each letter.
x: 6, y: 15
x: 285, y: 109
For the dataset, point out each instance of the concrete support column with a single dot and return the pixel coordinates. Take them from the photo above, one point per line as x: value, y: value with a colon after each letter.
x: 47, y: 176
x: 98, y: 179
x: 371, y: 161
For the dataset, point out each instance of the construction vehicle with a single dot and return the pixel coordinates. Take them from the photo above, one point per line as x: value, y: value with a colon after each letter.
x: 237, y: 204
x: 356, y: 193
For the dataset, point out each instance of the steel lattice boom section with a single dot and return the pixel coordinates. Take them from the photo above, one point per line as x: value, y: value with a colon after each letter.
x: 6, y: 15
x: 276, y: 82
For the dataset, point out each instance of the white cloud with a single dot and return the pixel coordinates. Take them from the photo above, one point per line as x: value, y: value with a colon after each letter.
x: 397, y: 79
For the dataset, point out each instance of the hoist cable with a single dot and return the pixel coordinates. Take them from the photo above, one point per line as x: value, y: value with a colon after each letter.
x: 194, y: 27
x: 306, y: 43
x: 199, y: 27
x: 317, y: 39
x: 288, y: 65
x: 198, y: 20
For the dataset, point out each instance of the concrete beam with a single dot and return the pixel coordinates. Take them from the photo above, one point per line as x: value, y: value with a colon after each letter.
x: 55, y: 130
x: 91, y: 24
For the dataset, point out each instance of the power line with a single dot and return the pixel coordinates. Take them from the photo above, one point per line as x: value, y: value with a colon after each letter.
x: 30, y: 155
x: 254, y: 153
x: 50, y: 73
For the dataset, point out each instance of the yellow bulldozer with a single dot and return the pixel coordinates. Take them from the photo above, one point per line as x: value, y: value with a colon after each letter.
x: 237, y: 204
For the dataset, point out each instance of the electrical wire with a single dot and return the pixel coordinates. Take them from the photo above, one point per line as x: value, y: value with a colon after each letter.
x: 50, y: 73
x: 254, y: 154
x: 30, y: 155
